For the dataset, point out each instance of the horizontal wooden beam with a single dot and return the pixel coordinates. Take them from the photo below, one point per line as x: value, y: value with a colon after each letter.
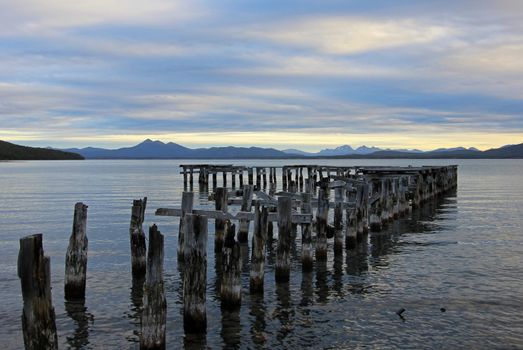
x: 241, y: 215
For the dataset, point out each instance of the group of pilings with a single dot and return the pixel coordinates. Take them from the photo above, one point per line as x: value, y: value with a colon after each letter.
x: 364, y: 198
x: 220, y: 175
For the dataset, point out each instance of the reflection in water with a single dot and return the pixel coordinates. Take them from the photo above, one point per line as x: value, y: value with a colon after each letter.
x: 231, y: 328
x: 322, y: 288
x: 307, y: 291
x: 337, y: 275
x: 284, y: 311
x: 195, y: 341
x: 258, y: 310
x: 136, y: 305
x: 77, y: 311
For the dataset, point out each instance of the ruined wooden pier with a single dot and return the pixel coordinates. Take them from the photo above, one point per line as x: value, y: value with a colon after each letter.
x: 335, y: 203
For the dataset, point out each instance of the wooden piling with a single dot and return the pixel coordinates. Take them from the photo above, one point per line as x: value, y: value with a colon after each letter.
x: 240, y: 178
x: 38, y: 316
x: 195, y: 274
x: 231, y: 288
x: 322, y: 215
x: 250, y: 175
x: 283, y: 258
x: 243, y: 229
x: 219, y: 224
x: 187, y: 207
x: 306, y: 235
x: 259, y: 239
x: 76, y: 256
x: 138, y: 247
x: 338, y: 219
x: 154, y: 313
x: 351, y: 229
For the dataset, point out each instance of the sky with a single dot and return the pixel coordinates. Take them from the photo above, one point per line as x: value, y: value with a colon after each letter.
x: 284, y: 74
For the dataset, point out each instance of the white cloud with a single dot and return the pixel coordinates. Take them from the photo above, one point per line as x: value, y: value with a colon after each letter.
x: 350, y: 35
x: 36, y: 17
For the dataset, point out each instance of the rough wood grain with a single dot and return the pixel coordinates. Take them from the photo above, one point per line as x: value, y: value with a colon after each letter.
x: 195, y: 274
x: 138, y: 247
x: 38, y: 316
x: 187, y: 207
x: 76, y: 256
x: 259, y: 240
x: 231, y: 288
x: 283, y: 259
x: 154, y: 313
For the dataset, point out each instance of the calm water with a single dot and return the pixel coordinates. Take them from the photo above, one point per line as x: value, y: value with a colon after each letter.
x: 463, y: 253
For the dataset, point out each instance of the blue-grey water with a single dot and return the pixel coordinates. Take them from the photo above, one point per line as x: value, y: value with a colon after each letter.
x: 463, y: 253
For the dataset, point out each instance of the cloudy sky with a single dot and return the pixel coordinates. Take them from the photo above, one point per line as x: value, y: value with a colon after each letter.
x: 301, y: 74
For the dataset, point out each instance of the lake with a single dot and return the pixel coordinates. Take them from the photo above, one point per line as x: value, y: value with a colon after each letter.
x: 463, y: 253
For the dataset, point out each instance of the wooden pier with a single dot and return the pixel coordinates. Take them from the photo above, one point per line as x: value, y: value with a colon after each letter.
x: 326, y: 202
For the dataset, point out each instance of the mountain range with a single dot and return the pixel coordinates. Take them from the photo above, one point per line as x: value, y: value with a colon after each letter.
x: 10, y: 151
x: 150, y: 149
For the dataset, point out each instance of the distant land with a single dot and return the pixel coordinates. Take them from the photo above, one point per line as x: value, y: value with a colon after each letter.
x: 10, y: 151
x: 149, y: 149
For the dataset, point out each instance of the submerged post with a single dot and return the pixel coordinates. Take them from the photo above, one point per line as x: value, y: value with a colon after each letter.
x: 338, y: 219
x: 154, y: 314
x: 306, y: 234
x: 283, y: 258
x: 38, y: 316
x: 76, y: 256
x: 138, y: 247
x: 351, y: 229
x: 243, y: 230
x: 231, y: 286
x: 187, y: 206
x: 321, y: 223
x: 195, y: 274
x: 219, y: 224
x: 258, y: 249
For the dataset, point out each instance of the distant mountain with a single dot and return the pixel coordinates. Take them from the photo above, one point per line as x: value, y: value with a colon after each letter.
x: 10, y: 151
x: 293, y: 151
x: 512, y: 151
x: 149, y: 149
x: 342, y: 151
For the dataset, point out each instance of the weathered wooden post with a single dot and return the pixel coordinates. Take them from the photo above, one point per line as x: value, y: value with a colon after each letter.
x: 301, y: 179
x: 221, y: 199
x: 184, y: 171
x: 38, y: 316
x: 250, y: 175
x: 243, y: 230
x: 231, y: 286
x: 233, y: 179
x: 191, y: 177
x: 283, y: 258
x: 264, y: 177
x: 76, y: 256
x: 195, y: 274
x: 284, y: 178
x: 306, y: 235
x: 351, y: 230
x: 187, y: 206
x: 138, y: 248
x: 322, y: 215
x: 154, y: 313
x: 240, y: 178
x: 258, y: 178
x: 224, y: 173
x: 214, y: 179
x: 338, y: 219
x: 259, y: 239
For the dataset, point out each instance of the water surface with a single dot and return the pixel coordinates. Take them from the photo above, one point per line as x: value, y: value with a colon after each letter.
x: 463, y: 253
